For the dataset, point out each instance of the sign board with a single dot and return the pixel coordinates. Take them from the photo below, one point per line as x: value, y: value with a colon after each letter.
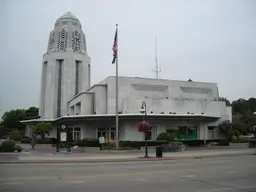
x: 63, y: 136
x: 102, y: 140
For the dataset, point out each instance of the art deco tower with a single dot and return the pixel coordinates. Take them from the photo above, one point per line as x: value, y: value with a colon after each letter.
x: 65, y: 67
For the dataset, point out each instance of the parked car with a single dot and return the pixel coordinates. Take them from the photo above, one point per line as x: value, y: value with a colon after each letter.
x: 250, y: 135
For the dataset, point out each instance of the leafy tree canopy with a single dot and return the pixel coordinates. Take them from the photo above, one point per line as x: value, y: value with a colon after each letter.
x: 42, y: 128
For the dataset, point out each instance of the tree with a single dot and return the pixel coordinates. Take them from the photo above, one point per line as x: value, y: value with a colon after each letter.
x: 15, y: 135
x: 241, y: 106
x: 3, y: 130
x: 11, y: 119
x: 227, y: 130
x: 164, y: 136
x: 32, y: 113
x: 226, y: 100
x: 41, y: 128
x: 252, y: 104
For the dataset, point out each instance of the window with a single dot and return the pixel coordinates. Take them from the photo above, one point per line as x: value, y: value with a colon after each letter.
x: 211, y: 128
x: 63, y: 40
x: 51, y: 41
x: 76, y: 133
x: 76, y: 41
x: 101, y: 132
x: 106, y: 133
x: 59, y: 88
x: 77, y: 75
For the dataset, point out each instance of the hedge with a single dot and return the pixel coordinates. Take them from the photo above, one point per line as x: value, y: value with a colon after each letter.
x: 93, y: 142
x: 139, y: 144
x: 9, y: 146
x: 40, y: 141
x: 87, y: 142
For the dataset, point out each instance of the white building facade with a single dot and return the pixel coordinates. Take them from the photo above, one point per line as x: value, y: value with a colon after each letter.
x: 190, y: 108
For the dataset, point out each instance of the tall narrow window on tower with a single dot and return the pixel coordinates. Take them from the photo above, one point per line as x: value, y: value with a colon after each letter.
x: 51, y: 41
x: 62, y: 40
x: 89, y: 75
x: 59, y: 62
x: 76, y: 41
x: 77, y: 80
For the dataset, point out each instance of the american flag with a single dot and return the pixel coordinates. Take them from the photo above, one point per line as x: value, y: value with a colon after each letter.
x: 114, y: 48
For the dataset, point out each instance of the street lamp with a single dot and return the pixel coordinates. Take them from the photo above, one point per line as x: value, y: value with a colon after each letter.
x: 143, y: 110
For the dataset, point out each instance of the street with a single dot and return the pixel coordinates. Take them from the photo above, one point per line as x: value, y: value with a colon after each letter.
x: 226, y: 174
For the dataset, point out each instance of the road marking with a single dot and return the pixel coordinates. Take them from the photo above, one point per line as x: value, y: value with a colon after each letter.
x: 230, y: 172
x: 215, y: 190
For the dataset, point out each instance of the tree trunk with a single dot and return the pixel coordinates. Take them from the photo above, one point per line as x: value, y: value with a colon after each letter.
x: 33, y: 141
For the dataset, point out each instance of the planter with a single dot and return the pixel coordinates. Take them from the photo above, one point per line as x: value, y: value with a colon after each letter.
x: 173, y: 148
x: 43, y: 146
x: 238, y: 145
x: 90, y: 149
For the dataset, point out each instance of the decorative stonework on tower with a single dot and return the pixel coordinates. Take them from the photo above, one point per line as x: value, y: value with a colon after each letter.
x: 67, y: 35
x: 66, y: 67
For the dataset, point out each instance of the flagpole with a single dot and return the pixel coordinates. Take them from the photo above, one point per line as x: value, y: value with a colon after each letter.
x: 117, y: 127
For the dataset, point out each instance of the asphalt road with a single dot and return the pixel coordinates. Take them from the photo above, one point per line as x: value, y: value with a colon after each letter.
x: 231, y: 174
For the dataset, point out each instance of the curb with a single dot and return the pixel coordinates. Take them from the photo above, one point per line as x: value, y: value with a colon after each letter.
x: 138, y: 159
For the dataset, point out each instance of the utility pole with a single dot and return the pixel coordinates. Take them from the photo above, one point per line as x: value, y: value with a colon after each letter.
x: 157, y: 69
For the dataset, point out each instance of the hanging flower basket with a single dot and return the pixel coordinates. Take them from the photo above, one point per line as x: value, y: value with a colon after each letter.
x: 143, y: 126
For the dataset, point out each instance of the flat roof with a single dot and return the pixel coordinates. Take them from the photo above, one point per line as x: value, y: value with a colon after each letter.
x: 130, y: 115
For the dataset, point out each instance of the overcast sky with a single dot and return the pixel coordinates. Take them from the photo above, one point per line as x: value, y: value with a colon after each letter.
x: 205, y: 40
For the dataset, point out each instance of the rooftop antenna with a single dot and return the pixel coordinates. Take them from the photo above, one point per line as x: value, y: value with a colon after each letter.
x: 157, y: 69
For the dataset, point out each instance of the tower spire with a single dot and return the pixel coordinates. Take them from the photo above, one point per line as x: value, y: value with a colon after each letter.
x: 157, y: 69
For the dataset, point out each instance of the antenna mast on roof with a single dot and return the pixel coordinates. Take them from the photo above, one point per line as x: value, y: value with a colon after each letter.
x: 157, y: 69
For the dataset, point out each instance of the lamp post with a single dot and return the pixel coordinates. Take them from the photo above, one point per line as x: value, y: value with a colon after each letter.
x: 143, y: 110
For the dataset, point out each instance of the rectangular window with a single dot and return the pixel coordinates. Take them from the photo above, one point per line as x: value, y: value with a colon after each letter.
x: 89, y: 73
x: 76, y: 133
x: 101, y: 132
x: 105, y: 132
x: 77, y: 76
x: 59, y: 87
x: 210, y: 128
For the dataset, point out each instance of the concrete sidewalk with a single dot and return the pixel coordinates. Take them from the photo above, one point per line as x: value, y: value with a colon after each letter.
x: 93, y: 158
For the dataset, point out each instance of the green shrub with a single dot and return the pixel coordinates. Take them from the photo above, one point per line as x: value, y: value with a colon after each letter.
x: 15, y: 135
x: 176, y: 143
x: 8, y: 146
x: 139, y: 144
x: 132, y: 144
x: 223, y: 142
x: 18, y: 148
x: 44, y: 141
x: 164, y: 136
x: 87, y: 142
x: 240, y: 139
